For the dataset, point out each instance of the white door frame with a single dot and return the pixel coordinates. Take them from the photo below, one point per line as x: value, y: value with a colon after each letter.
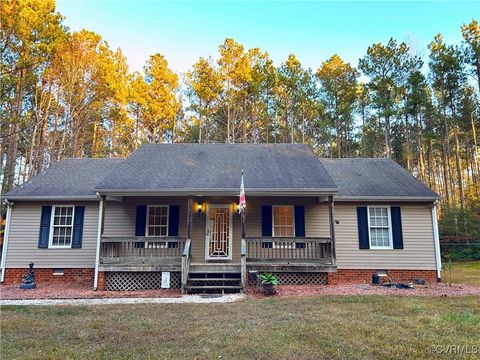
x: 230, y: 232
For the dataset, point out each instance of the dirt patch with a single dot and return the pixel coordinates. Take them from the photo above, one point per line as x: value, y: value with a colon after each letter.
x: 55, y: 291
x: 440, y: 290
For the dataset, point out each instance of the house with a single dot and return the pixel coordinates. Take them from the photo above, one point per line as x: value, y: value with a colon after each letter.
x: 169, y: 213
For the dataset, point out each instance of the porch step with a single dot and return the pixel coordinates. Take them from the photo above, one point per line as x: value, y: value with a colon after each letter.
x: 211, y: 287
x: 213, y: 279
x: 219, y: 268
x: 208, y: 279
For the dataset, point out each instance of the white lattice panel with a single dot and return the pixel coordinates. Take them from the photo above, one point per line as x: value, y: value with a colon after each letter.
x: 130, y: 281
x: 297, y: 278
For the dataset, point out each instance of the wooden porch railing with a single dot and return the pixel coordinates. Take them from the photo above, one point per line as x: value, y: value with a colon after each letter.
x: 141, y: 247
x: 279, y: 249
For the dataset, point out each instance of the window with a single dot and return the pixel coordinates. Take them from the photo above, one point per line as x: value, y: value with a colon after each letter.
x: 283, y: 221
x: 157, y: 220
x: 380, y: 227
x: 61, y: 228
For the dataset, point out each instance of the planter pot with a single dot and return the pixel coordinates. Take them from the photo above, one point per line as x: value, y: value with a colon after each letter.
x: 268, y: 289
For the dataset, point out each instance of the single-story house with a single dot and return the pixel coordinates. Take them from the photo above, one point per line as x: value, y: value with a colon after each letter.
x: 168, y: 214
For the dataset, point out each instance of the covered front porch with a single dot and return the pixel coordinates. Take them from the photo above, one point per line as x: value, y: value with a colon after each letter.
x: 197, y: 235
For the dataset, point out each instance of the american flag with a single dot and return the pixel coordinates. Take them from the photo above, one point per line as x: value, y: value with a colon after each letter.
x: 242, y: 203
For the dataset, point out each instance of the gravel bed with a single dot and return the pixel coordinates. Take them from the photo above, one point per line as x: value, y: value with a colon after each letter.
x: 185, y: 299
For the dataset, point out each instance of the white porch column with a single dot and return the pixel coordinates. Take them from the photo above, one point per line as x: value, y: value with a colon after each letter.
x: 99, y: 239
x: 5, y: 238
x: 436, y: 241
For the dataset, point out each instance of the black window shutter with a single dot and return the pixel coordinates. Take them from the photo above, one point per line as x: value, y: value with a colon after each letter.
x: 141, y: 220
x: 299, y: 221
x: 173, y: 215
x: 396, y: 227
x: 78, y: 227
x: 299, y: 225
x: 45, y: 227
x: 140, y: 224
x: 266, y: 220
x: 362, y: 221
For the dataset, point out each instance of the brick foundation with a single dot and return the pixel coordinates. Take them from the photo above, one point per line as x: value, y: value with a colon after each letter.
x: 81, y: 276
x: 101, y: 281
x: 342, y: 276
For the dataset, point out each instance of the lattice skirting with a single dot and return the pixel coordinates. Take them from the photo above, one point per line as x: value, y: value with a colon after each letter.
x: 128, y: 281
x: 296, y: 278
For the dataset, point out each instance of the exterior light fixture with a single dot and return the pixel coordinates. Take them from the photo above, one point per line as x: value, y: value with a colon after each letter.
x: 199, y: 208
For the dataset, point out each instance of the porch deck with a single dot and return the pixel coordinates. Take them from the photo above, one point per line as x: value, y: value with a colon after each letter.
x: 261, y: 253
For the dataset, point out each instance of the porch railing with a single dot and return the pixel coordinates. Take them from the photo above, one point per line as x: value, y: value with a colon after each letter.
x: 141, y: 247
x: 281, y: 249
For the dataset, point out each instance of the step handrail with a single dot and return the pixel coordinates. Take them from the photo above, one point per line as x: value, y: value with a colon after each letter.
x: 185, y: 264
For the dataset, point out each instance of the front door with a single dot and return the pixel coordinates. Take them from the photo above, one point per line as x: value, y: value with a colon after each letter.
x: 218, y: 233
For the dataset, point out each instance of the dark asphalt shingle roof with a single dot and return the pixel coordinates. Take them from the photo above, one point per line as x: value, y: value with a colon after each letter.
x: 70, y: 177
x: 218, y: 167
x: 360, y: 177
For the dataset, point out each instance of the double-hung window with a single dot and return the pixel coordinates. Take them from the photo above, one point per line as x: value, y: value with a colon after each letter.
x: 380, y: 226
x: 61, y: 228
x: 283, y: 221
x: 157, y: 220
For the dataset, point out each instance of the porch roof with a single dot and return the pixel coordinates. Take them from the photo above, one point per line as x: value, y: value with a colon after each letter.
x: 216, y: 168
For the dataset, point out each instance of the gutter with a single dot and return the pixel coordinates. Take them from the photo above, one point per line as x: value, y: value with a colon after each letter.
x: 99, y: 239
x: 5, y: 239
x: 436, y: 242
x: 53, y: 197
x: 218, y: 192
x: 386, y: 198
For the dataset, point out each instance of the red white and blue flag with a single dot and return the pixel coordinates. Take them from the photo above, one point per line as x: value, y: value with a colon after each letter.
x: 242, y: 202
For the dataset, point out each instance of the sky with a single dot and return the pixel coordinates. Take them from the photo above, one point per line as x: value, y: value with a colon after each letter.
x: 183, y: 31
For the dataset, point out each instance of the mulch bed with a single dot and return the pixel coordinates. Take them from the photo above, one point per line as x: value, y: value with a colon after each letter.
x: 55, y: 291
x: 440, y: 290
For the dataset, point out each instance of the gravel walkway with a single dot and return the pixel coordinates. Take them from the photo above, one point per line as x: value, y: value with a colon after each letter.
x: 185, y: 299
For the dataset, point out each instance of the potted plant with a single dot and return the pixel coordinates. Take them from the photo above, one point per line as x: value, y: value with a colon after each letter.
x: 267, y: 282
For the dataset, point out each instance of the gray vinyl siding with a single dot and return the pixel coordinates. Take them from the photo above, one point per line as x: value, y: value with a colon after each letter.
x: 418, y: 252
x: 418, y: 246
x: 24, y: 232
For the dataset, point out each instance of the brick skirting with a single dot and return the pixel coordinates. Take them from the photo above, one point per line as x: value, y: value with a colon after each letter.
x: 342, y: 276
x: 83, y: 276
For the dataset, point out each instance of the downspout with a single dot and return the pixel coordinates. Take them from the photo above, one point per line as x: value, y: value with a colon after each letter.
x: 99, y: 239
x: 436, y: 242
x: 5, y: 238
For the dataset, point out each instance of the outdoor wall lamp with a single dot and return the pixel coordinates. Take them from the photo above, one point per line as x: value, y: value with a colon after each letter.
x: 236, y: 207
x: 199, y: 208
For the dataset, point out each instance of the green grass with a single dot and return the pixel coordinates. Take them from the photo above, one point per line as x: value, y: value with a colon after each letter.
x: 467, y: 273
x: 376, y: 327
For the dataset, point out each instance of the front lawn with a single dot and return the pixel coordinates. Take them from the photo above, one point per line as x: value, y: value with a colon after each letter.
x: 467, y: 273
x: 381, y: 327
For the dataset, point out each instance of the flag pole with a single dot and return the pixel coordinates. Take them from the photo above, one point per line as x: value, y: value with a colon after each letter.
x: 242, y: 217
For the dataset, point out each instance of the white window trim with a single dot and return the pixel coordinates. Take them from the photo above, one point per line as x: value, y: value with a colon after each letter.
x: 148, y: 219
x: 390, y: 235
x: 273, y: 220
x: 52, y: 218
